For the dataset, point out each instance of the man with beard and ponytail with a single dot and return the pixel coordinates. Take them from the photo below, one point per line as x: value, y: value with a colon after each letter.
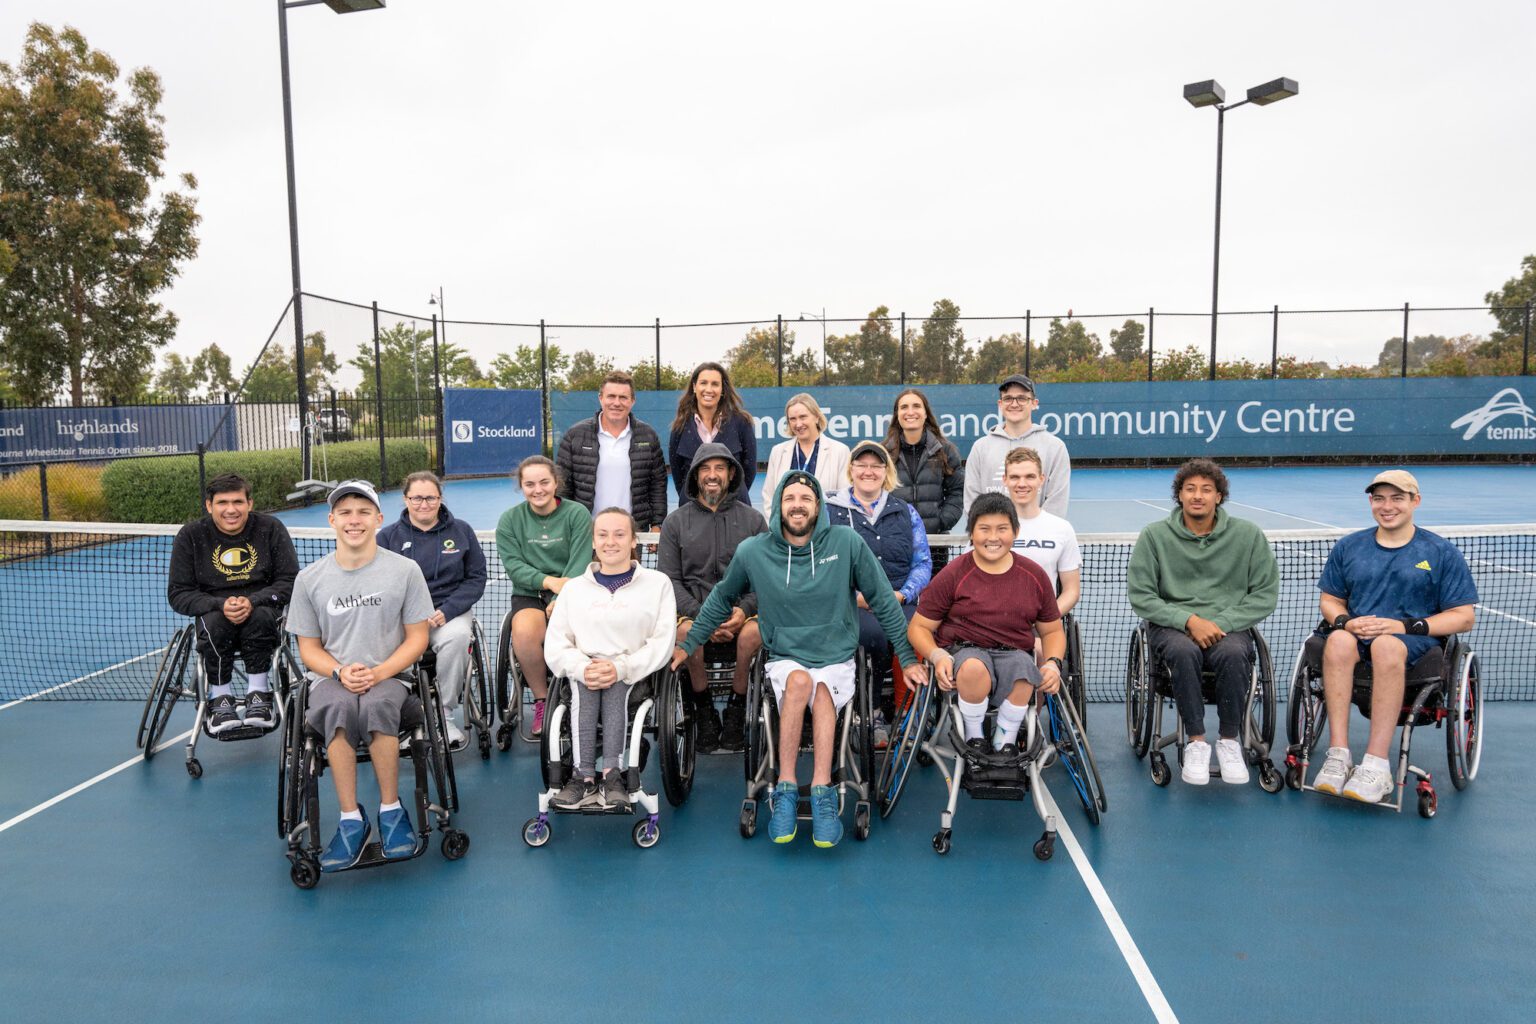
x: 697, y: 543
x: 805, y: 572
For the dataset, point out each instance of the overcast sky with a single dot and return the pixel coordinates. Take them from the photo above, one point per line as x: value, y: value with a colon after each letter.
x: 616, y: 162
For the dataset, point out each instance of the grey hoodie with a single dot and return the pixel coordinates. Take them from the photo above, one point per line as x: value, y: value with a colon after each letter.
x: 984, y: 467
x: 697, y: 542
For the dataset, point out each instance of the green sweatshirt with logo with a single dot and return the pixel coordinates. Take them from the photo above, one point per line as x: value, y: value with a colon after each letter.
x: 805, y: 595
x: 532, y: 546
x: 1228, y: 576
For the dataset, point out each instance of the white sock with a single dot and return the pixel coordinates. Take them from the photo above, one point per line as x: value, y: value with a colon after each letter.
x: 257, y: 681
x: 220, y: 690
x: 356, y: 814
x: 973, y: 715
x: 1379, y: 763
x: 1009, y: 718
x: 386, y: 808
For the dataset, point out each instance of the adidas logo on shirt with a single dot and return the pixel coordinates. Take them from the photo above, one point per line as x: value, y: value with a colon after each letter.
x: 1423, y: 565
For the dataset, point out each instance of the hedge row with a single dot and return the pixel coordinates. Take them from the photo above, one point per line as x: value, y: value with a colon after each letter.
x: 165, y: 490
x: 74, y: 493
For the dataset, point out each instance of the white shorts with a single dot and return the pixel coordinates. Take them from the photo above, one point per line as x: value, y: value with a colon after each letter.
x: 838, y: 679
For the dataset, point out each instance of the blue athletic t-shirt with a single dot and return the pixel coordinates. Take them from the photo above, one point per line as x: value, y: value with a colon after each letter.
x: 1424, y: 576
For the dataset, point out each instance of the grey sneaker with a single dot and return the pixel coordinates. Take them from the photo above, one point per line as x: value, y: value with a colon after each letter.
x: 575, y: 794
x: 615, y: 795
x: 1334, y: 773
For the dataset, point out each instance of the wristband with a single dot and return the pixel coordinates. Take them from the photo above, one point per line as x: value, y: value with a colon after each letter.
x: 1419, y: 627
x: 1341, y: 621
x: 1061, y: 666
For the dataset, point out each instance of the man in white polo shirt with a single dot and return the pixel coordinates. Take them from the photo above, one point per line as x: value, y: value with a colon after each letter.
x: 614, y: 460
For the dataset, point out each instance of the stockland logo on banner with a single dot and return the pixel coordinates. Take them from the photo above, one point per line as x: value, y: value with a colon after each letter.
x: 1505, y: 403
x: 463, y: 431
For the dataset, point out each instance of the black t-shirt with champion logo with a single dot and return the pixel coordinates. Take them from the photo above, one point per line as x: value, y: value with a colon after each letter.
x: 208, y: 566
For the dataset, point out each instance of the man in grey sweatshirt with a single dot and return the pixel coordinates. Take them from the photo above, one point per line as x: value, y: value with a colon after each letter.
x: 1016, y: 403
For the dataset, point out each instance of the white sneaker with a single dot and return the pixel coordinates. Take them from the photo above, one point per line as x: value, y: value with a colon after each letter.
x: 456, y: 738
x: 1330, y: 778
x: 1368, y: 784
x: 1197, y: 763
x: 1230, y: 762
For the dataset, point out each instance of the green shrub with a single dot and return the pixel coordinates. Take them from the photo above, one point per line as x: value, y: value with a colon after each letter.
x: 165, y: 490
x: 74, y: 494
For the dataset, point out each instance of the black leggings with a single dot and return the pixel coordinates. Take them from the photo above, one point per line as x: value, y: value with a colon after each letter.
x: 220, y: 641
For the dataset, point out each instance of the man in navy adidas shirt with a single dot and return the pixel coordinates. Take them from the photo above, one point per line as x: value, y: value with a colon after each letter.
x: 1388, y: 595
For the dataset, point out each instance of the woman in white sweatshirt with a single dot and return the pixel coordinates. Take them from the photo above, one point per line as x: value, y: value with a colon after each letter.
x: 614, y: 625
x: 808, y: 448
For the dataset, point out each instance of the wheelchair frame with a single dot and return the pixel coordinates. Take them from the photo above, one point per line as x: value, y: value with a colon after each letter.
x: 480, y: 713
x: 1454, y: 699
x: 852, y: 764
x: 303, y: 762
x: 556, y: 757
x: 170, y: 685
x: 1149, y: 691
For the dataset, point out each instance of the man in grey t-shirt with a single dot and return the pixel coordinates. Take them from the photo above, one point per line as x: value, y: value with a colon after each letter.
x: 360, y: 616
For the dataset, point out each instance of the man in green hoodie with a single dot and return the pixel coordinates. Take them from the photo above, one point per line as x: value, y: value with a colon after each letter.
x: 1203, y: 579
x: 805, y: 571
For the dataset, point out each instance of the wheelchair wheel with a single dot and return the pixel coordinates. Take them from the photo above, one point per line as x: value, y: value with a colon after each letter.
x: 1305, y: 709
x: 676, y: 735
x: 755, y: 747
x: 289, y: 777
x: 506, y: 687
x: 1076, y: 755
x: 863, y: 737
x: 437, y: 746
x: 1264, y: 698
x: 1139, y: 698
x: 556, y: 761
x: 477, y: 693
x: 910, y: 729
x: 167, y: 689
x: 1464, y: 735
x: 1077, y: 671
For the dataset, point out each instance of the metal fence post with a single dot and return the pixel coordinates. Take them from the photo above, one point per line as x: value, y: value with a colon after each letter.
x: 1405, y: 339
x: 1151, y: 333
x: 42, y: 487
x: 378, y: 399
x: 1274, y: 343
x: 779, y: 348
x: 1525, y: 352
x: 1028, y: 344
x: 658, y: 353
x: 202, y: 470
x: 544, y: 387
x: 903, y: 347
x: 437, y: 394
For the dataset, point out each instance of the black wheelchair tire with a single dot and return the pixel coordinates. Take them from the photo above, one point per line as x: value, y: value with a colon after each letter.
x: 676, y: 735
x: 1076, y: 756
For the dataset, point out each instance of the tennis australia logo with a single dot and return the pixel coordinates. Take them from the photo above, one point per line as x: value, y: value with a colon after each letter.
x: 1506, y: 403
x: 463, y: 431
x: 342, y: 605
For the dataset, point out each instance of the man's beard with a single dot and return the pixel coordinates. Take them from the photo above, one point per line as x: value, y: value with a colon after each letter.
x: 804, y: 531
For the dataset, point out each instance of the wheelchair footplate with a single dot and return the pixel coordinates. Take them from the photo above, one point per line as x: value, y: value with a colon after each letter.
x: 243, y: 732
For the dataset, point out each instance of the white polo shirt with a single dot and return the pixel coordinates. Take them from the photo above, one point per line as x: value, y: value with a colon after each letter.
x: 613, y: 478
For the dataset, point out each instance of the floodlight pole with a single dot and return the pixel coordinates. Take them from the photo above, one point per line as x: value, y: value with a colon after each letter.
x: 1221, y: 129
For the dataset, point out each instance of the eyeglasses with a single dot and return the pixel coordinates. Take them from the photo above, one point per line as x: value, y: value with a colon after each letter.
x: 1016, y: 399
x: 430, y: 499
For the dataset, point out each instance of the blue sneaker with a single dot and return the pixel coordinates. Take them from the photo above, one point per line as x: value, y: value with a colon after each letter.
x: 346, y: 846
x: 783, y: 825
x: 826, y: 826
x: 396, y: 839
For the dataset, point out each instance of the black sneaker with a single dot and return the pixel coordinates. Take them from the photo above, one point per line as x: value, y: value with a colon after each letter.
x: 222, y: 715
x: 258, y: 709
x: 733, y: 727
x: 707, y: 738
x: 613, y: 793
x: 575, y: 794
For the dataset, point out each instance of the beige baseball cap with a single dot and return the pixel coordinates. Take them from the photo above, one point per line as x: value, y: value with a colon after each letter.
x: 1399, y: 478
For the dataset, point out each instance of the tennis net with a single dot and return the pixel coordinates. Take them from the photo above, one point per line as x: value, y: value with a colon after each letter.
x: 83, y: 614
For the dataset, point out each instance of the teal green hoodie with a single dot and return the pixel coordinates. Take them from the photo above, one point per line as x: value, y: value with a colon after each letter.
x: 805, y: 604
x: 1228, y: 576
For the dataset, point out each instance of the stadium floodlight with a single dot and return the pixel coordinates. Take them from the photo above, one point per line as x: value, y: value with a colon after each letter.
x: 340, y: 7
x: 1203, y: 94
x: 1210, y: 94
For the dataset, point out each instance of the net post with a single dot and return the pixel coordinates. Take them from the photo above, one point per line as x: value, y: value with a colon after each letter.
x: 378, y: 399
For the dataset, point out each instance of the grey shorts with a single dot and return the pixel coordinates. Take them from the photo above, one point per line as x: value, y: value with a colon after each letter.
x: 332, y: 706
x: 1005, y: 668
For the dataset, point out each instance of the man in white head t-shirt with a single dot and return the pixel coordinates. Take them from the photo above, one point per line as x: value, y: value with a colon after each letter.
x: 1045, y: 539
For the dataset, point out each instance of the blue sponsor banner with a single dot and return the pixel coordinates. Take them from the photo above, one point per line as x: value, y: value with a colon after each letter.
x: 489, y: 430
x: 1174, y: 419
x: 64, y: 433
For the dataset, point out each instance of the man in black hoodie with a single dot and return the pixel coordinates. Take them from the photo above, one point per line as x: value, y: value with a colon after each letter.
x: 697, y: 542
x: 233, y: 572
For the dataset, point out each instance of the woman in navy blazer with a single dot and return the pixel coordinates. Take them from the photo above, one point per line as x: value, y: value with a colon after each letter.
x: 711, y: 410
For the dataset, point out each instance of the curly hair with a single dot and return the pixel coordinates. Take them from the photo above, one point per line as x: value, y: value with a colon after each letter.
x: 1200, y: 467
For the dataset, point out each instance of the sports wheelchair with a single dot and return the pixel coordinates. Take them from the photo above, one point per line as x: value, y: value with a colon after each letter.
x: 1149, y: 691
x: 853, y: 764
x: 1447, y: 690
x: 475, y: 692
x: 303, y: 762
x: 929, y: 728
x: 514, y: 697
x: 171, y: 684
x: 656, y: 709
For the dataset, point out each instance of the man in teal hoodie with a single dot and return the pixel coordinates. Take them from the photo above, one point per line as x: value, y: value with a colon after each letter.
x: 805, y: 571
x: 1203, y: 579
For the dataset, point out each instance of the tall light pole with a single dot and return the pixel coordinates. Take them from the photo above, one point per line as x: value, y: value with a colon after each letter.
x: 1207, y: 94
x: 340, y: 7
x: 823, y: 319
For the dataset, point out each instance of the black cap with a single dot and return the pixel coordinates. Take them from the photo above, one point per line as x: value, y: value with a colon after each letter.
x: 1019, y: 379
x: 800, y: 476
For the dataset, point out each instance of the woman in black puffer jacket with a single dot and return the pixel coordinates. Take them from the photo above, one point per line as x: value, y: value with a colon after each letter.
x: 928, y: 468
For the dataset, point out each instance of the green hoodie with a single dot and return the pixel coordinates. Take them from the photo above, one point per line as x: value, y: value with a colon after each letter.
x: 805, y: 602
x: 532, y: 546
x: 1228, y: 576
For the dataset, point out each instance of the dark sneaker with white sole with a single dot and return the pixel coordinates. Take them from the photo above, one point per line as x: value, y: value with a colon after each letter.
x: 223, y: 715
x: 259, y: 710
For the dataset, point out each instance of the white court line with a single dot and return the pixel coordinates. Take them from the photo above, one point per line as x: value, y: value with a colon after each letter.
x: 1283, y: 515
x: 72, y: 682
x: 1150, y: 990
x: 88, y: 783
x: 1503, y: 568
x: 1150, y: 504
x: 1505, y: 615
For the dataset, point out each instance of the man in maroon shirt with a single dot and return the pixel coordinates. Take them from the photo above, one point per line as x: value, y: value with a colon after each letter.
x: 976, y: 624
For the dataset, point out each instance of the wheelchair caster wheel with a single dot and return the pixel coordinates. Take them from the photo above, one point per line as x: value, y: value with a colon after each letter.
x: 485, y: 746
x: 941, y: 841
x: 1161, y: 773
x: 1427, y: 803
x: 1269, y: 778
x: 455, y: 844
x: 305, y: 873
x: 861, y: 822
x: 1293, y: 777
x: 924, y: 759
x: 748, y: 823
x: 1045, y: 847
x: 195, y: 768
x: 645, y: 833
x: 536, y: 832
x: 504, y: 737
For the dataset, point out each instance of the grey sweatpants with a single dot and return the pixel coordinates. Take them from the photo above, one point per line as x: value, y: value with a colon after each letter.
x: 586, y: 705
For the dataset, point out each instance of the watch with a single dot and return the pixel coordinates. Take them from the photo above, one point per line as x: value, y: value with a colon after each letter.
x: 336, y: 673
